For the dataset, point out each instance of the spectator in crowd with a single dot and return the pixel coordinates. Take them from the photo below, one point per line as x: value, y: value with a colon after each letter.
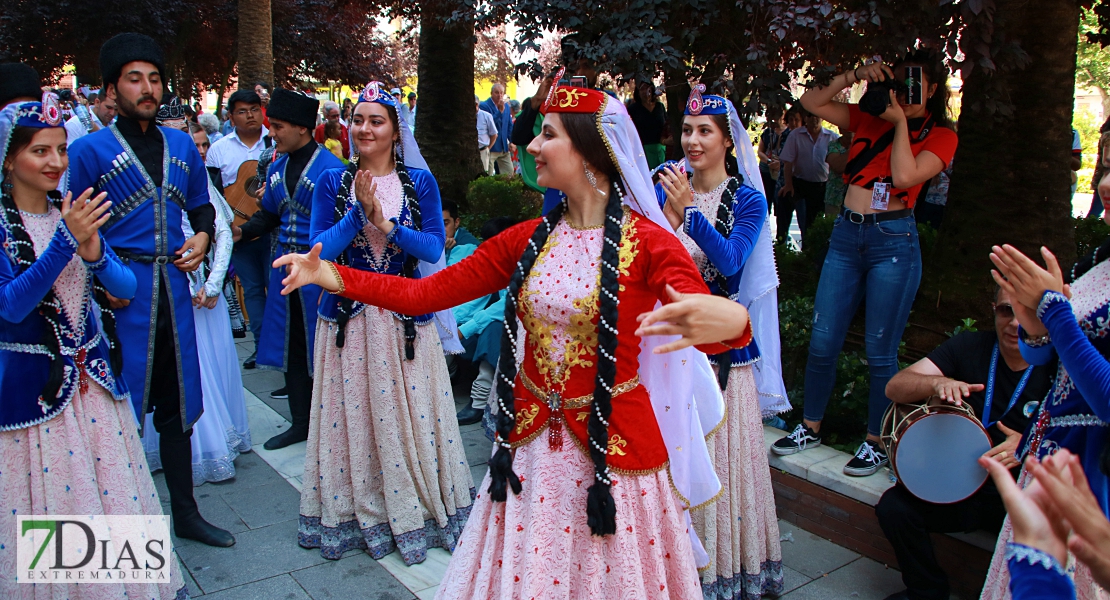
x: 487, y: 135
x: 456, y: 234
x: 211, y: 126
x: 402, y: 106
x: 480, y: 322
x: 514, y: 107
x: 332, y: 115
x: 650, y: 119
x: 251, y: 259
x: 768, y: 151
x: 198, y: 109
x: 226, y: 126
x: 333, y: 140
x: 102, y: 114
x: 412, y: 110
x: 805, y: 170
x: 960, y: 371
x: 345, y: 113
x: 263, y: 90
x: 1076, y: 161
x: 836, y: 158
x: 874, y: 255
x: 785, y: 207
x: 500, y: 152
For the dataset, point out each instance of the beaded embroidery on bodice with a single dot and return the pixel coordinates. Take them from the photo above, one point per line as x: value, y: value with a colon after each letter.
x: 70, y: 287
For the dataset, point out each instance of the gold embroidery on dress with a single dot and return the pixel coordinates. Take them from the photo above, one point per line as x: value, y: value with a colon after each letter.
x: 526, y: 417
x: 616, y: 445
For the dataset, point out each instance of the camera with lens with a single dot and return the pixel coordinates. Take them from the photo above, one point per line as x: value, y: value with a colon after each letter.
x: 877, y: 97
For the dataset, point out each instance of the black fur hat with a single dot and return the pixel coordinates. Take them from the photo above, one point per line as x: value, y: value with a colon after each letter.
x: 18, y: 80
x: 293, y: 107
x: 129, y: 47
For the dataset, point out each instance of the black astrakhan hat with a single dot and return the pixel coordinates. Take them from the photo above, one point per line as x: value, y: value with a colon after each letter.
x: 129, y: 47
x: 18, y: 80
x: 293, y: 107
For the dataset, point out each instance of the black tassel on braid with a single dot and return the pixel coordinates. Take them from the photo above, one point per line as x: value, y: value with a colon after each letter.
x: 108, y: 323
x: 601, y: 512
x: 49, y: 306
x: 501, y: 472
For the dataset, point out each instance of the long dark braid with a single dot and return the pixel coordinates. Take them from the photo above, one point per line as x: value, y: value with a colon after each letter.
x: 600, y: 508
x: 726, y: 221
x: 409, y: 268
x: 601, y: 512
x: 346, y: 305
x: 22, y: 249
x: 501, y: 465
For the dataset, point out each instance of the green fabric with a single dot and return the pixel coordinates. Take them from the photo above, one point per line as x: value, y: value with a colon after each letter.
x: 528, y: 162
x: 656, y: 154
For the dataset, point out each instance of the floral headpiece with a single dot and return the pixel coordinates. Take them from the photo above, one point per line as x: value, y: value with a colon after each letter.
x: 699, y: 104
x: 373, y: 92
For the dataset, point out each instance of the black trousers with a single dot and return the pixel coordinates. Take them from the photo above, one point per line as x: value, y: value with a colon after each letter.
x: 907, y: 522
x: 810, y: 197
x: 298, y: 379
x: 165, y: 402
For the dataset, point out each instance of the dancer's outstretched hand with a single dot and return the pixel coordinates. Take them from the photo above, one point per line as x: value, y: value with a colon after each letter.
x: 1033, y: 514
x: 303, y: 269
x: 698, y: 318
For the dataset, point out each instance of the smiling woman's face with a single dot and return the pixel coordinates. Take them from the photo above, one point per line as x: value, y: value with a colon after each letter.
x: 40, y: 164
x: 372, y: 129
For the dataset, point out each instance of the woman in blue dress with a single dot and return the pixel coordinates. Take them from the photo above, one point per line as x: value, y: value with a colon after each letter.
x: 1070, y: 323
x: 384, y: 467
x: 69, y: 442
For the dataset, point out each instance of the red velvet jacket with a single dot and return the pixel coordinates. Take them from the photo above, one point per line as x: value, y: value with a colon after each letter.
x: 650, y: 258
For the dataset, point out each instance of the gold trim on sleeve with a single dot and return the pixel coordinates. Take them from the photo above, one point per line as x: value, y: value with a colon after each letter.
x: 338, y: 277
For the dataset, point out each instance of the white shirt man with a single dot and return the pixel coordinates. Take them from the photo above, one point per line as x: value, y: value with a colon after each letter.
x: 102, y: 112
x: 230, y: 153
x: 487, y: 135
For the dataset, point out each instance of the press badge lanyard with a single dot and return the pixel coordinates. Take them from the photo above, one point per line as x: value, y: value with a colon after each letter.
x: 990, y: 389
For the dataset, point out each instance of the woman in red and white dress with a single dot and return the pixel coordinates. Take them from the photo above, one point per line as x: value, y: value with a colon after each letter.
x: 591, y: 430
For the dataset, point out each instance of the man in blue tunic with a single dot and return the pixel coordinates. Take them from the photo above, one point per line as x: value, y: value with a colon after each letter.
x: 154, y: 178
x: 289, y: 324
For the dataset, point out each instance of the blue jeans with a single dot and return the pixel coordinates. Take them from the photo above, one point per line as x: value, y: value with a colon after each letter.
x: 881, y: 262
x: 252, y: 264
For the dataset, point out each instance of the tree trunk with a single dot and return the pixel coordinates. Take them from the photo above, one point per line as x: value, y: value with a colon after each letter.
x: 1105, y: 97
x: 678, y: 92
x: 256, y: 43
x: 1010, y: 185
x: 445, y: 122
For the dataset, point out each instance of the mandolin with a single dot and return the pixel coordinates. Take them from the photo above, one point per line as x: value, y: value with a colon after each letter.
x: 240, y: 195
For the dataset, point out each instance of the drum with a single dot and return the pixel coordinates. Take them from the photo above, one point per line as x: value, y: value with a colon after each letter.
x: 934, y: 449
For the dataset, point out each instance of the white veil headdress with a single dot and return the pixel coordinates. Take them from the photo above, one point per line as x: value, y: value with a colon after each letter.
x: 760, y: 281
x: 411, y: 157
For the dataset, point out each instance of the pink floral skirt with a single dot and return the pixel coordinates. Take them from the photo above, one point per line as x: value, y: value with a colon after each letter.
x: 385, y: 467
x: 997, y: 585
x: 740, y: 530
x: 538, y: 545
x: 87, y: 460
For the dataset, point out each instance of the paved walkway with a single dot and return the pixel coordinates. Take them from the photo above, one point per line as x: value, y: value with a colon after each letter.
x: 260, y: 506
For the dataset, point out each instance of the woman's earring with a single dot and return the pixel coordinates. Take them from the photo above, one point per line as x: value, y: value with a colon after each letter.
x: 592, y: 179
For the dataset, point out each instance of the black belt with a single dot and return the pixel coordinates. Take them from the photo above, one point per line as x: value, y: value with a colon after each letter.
x: 147, y: 258
x: 871, y: 219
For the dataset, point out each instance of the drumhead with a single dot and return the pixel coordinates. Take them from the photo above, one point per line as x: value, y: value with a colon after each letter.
x: 937, y: 457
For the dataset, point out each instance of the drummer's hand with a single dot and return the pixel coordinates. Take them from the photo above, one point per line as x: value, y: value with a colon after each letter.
x: 1033, y: 514
x: 1004, y: 452
x: 953, y: 392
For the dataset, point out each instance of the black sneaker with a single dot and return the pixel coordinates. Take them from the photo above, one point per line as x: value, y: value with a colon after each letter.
x: 802, y: 438
x: 251, y: 361
x: 868, y: 459
x: 280, y: 394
